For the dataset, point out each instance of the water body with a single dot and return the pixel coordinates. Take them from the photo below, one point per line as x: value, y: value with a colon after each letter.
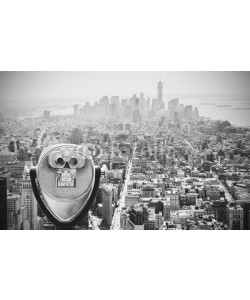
x: 234, y: 109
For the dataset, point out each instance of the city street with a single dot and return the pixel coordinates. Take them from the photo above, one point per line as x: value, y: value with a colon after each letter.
x: 228, y: 196
x: 117, y: 214
x: 39, y: 142
x: 94, y: 221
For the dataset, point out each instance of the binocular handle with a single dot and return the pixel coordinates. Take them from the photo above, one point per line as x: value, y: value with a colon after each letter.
x: 71, y: 224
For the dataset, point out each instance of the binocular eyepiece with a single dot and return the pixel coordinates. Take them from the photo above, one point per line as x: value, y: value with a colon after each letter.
x: 65, y: 182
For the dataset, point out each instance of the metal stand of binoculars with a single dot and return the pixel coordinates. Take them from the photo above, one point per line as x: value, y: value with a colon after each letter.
x: 83, y: 211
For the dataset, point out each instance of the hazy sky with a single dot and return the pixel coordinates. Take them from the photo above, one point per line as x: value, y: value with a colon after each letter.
x: 93, y: 85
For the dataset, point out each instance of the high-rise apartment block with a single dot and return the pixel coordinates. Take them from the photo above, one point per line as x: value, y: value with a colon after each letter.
x: 28, y: 197
x: 16, y: 213
x: 107, y: 203
x: 3, y: 203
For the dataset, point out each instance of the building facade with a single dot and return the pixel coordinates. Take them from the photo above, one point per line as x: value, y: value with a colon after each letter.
x: 28, y: 197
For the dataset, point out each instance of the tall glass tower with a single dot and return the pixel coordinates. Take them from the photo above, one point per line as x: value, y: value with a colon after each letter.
x: 160, y: 93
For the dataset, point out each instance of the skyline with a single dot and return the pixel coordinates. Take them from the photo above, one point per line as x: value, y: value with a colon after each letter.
x: 21, y: 86
x: 157, y: 172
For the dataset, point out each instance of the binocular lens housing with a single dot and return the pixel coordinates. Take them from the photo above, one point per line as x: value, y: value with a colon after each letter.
x: 60, y: 161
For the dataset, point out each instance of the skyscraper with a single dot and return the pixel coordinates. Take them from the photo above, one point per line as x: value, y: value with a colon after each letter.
x: 128, y: 112
x: 235, y: 217
x: 181, y: 110
x: 160, y: 93
x: 196, y: 113
x: 136, y: 215
x: 173, y: 106
x: 107, y: 201
x: 76, y: 108
x: 12, y: 145
x: 16, y: 213
x: 76, y: 137
x: 3, y: 203
x: 155, y: 104
x: 188, y: 112
x: 46, y: 115
x: 104, y: 106
x: 28, y: 197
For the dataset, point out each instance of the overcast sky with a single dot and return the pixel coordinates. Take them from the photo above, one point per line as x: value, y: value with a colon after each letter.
x: 93, y: 85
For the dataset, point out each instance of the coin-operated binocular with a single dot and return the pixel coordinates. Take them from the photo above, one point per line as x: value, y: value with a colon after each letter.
x: 65, y: 182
